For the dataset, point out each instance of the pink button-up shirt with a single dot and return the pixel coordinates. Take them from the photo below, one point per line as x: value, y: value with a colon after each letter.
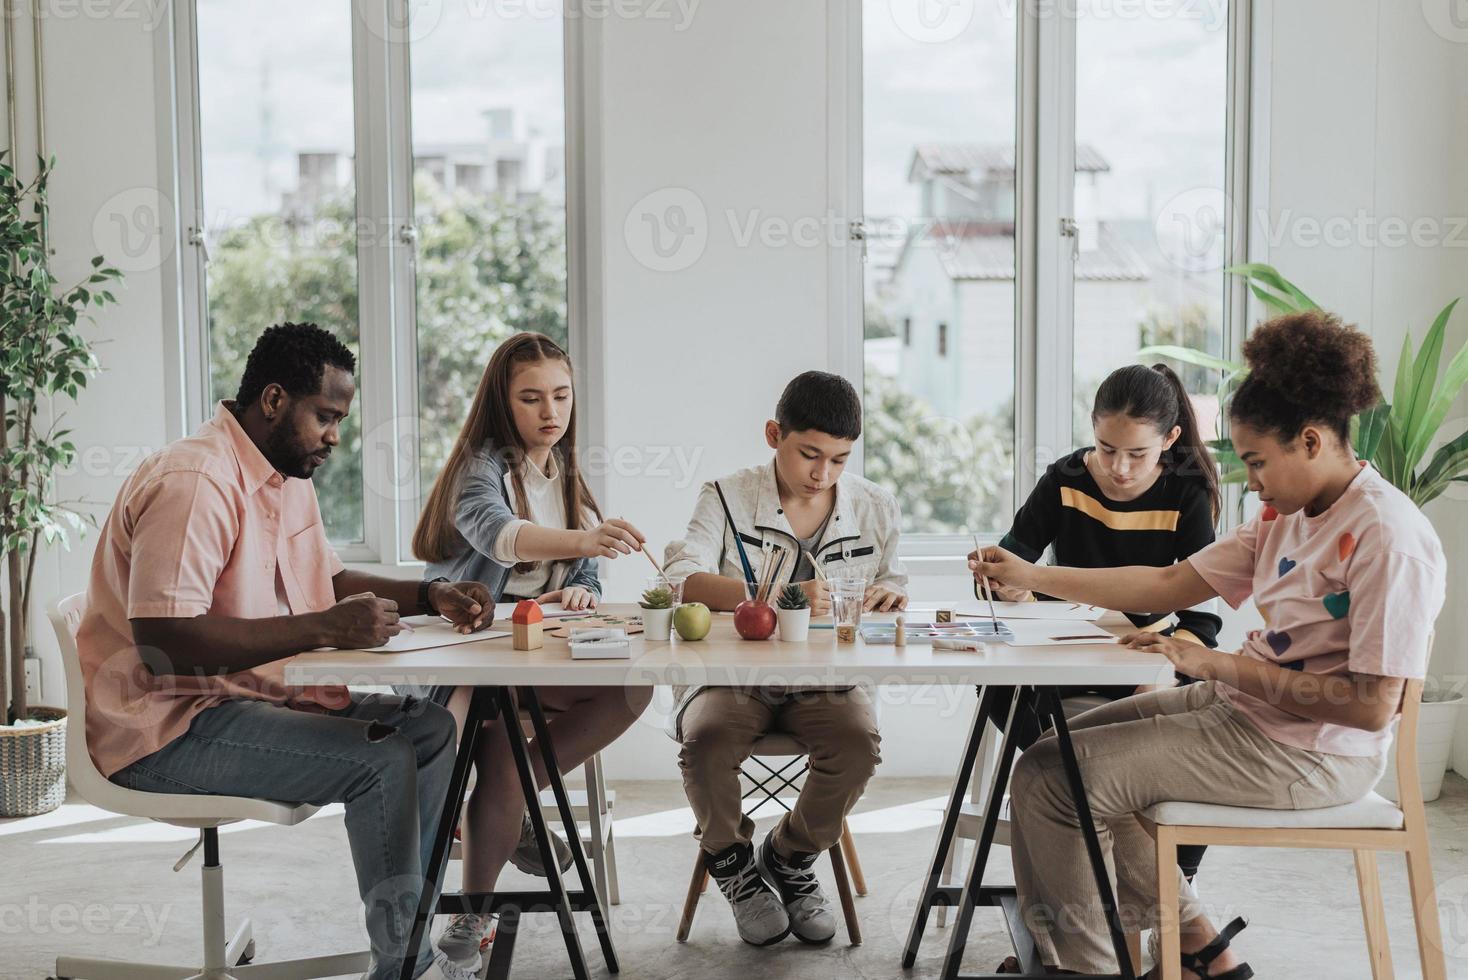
x: 205, y: 527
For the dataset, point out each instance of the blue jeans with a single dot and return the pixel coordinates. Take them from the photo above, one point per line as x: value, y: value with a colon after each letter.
x: 387, y: 758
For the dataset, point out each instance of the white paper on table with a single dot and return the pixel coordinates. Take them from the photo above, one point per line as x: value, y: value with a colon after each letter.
x: 1058, y: 632
x: 432, y: 631
x: 551, y: 610
x: 1052, y: 611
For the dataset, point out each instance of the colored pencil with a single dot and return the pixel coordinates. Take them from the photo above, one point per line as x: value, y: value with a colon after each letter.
x: 988, y: 589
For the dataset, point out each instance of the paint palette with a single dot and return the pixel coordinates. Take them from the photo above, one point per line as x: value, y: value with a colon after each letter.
x: 973, y: 629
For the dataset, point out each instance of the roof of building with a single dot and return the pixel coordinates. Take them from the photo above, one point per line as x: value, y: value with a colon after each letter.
x: 975, y: 253
x: 990, y: 158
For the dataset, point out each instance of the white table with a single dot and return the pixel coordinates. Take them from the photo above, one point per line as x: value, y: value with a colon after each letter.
x: 496, y: 670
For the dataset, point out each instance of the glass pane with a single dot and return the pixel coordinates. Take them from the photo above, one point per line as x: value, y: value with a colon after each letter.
x: 279, y: 201
x: 939, y: 125
x: 1151, y: 91
x: 489, y: 191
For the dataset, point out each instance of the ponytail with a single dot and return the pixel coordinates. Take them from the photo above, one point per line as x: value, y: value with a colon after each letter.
x: 1157, y: 395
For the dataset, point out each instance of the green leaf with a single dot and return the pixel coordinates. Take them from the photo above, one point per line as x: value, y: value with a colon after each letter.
x: 1290, y: 297
x: 1275, y: 302
x: 1447, y: 464
x: 1445, y: 393
x: 1188, y: 355
x: 1424, y: 381
x: 1370, y: 425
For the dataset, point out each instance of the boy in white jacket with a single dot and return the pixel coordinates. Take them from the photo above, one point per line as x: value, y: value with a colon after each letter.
x: 800, y: 503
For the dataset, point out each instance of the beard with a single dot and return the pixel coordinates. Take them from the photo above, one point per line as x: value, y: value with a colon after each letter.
x: 287, y: 455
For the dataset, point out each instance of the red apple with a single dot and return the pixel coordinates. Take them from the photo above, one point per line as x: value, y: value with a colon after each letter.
x: 754, y: 620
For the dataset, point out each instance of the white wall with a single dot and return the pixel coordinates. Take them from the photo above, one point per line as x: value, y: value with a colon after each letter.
x: 1368, y: 119
x: 1365, y: 110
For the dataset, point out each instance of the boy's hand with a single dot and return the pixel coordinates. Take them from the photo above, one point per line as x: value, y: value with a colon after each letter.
x: 882, y: 599
x: 819, y: 594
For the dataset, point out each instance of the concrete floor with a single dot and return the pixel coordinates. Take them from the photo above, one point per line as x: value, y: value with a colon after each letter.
x: 83, y: 882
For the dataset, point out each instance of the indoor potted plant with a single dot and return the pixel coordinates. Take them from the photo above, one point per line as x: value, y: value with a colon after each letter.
x: 1394, y: 437
x: 43, y: 355
x: 657, y: 613
x: 793, y: 613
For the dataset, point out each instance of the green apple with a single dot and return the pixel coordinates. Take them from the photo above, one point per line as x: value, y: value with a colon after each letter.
x: 692, y: 620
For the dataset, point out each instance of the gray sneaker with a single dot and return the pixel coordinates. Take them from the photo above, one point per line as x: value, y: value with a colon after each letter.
x: 526, y: 855
x: 758, y: 912
x: 462, y: 943
x: 811, y: 917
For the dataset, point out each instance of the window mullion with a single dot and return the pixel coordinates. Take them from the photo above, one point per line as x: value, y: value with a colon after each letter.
x: 371, y: 40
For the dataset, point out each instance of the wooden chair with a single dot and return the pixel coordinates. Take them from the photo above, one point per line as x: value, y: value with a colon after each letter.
x: 1364, y: 827
x: 766, y: 788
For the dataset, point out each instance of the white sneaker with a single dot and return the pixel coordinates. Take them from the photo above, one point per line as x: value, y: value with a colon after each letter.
x: 461, y: 946
x: 758, y: 911
x: 811, y: 917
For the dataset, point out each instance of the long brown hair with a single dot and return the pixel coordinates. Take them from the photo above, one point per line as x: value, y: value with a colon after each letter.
x: 491, y: 427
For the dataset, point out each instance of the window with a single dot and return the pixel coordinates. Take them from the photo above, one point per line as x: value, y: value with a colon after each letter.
x: 938, y: 193
x: 423, y: 228
x: 278, y: 198
x: 491, y: 252
x: 1120, y: 194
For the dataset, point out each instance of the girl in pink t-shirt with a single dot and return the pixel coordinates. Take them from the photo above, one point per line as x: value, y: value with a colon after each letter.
x: 1348, y: 576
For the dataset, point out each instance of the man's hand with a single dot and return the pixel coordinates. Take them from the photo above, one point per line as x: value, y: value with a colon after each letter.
x: 468, y: 605
x: 819, y: 594
x: 574, y: 598
x: 882, y: 599
x: 360, y: 622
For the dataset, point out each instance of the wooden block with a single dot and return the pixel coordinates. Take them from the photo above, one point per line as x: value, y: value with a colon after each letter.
x: 528, y: 636
x: 901, y: 638
x: 846, y: 634
x: 943, y: 616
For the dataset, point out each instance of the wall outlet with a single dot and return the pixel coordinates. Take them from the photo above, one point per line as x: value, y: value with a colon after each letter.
x: 33, y: 680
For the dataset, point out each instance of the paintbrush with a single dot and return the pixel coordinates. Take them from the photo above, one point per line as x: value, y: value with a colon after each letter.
x: 738, y: 543
x: 988, y: 589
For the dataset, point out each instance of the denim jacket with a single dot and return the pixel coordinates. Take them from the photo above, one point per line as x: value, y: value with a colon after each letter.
x: 483, y: 510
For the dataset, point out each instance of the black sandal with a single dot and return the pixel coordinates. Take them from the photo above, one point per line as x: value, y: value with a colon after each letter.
x: 1198, y: 962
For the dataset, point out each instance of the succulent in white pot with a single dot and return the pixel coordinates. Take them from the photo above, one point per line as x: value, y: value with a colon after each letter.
x: 792, y: 614
x: 657, y: 613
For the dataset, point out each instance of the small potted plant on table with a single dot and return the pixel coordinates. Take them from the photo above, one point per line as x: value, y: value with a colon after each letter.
x: 657, y: 613
x: 793, y: 614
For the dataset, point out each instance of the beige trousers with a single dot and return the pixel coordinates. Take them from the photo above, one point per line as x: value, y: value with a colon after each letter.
x: 1185, y: 744
x: 719, y: 728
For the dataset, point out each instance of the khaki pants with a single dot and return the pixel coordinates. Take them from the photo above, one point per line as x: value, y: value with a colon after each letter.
x: 719, y: 728
x: 1185, y: 744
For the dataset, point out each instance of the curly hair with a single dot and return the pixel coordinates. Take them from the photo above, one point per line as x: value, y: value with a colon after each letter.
x: 294, y: 356
x: 1306, y: 368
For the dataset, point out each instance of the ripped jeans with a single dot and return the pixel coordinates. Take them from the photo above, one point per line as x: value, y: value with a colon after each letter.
x: 387, y: 758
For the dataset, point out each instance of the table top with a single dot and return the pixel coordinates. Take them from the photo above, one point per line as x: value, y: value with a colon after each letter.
x: 723, y: 658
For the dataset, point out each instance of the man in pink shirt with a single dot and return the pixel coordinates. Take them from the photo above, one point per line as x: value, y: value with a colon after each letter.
x: 212, y: 571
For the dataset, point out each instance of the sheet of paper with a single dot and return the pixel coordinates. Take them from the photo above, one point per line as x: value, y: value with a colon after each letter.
x: 1040, y: 632
x: 551, y: 610
x: 432, y: 631
x: 1053, y: 611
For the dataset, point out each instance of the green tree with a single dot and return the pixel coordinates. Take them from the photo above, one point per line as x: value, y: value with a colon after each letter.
x: 951, y: 475
x: 486, y: 267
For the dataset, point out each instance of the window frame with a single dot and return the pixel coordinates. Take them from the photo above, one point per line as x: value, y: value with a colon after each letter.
x: 1044, y: 198
x: 387, y: 308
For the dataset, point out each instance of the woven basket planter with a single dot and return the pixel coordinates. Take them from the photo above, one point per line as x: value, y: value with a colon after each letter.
x: 33, y: 765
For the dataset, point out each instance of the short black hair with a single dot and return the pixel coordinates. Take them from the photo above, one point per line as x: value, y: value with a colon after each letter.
x: 294, y: 356
x: 821, y: 401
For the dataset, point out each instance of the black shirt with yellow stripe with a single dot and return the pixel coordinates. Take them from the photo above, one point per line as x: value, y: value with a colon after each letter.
x: 1067, y: 512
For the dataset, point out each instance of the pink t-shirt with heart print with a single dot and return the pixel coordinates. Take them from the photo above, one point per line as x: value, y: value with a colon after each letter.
x: 1353, y: 589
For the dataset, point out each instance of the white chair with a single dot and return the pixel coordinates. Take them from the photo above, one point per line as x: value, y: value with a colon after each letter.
x: 971, y: 814
x: 206, y: 813
x: 597, y: 838
x: 1364, y: 827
